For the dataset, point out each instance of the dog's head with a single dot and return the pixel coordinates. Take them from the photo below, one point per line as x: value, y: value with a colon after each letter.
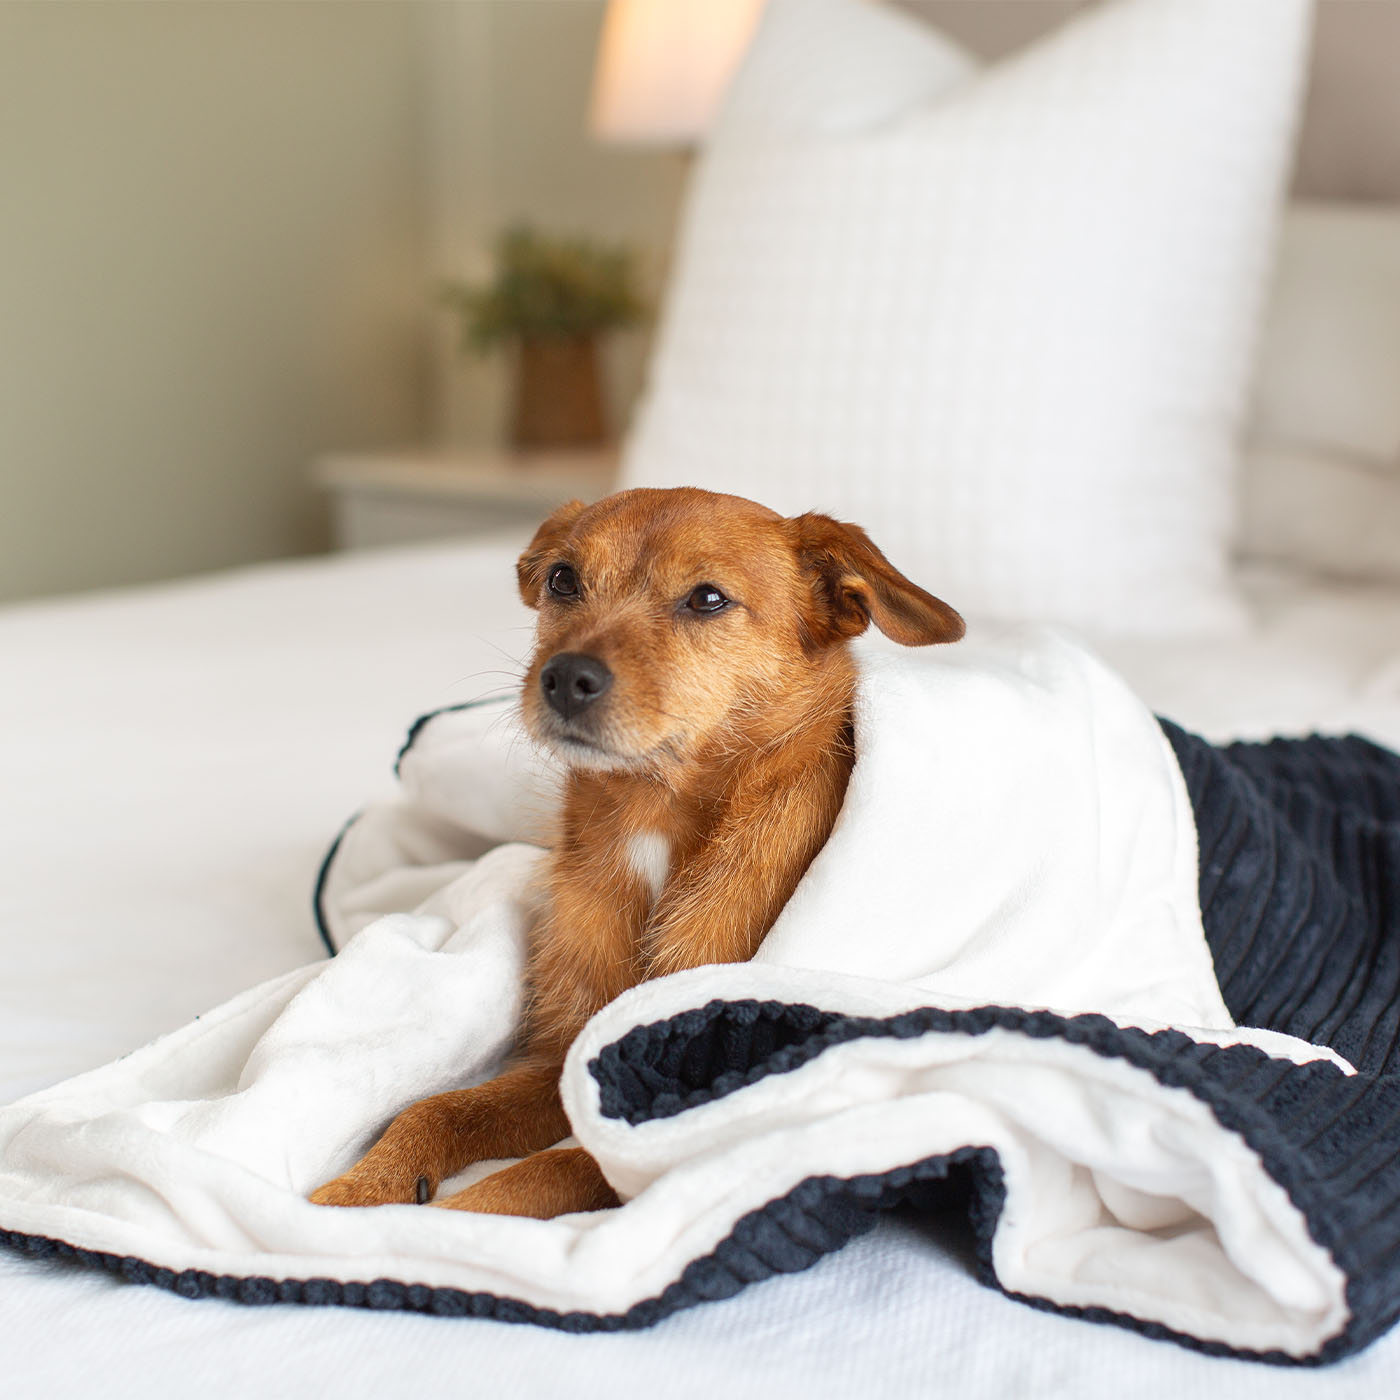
x: 669, y: 620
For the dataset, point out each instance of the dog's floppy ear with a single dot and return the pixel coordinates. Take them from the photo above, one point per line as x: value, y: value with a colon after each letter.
x: 853, y: 585
x: 530, y: 567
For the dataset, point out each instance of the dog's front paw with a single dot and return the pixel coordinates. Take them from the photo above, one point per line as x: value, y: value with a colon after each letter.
x: 357, y: 1188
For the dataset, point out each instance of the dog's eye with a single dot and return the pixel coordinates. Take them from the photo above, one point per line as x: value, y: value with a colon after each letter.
x: 562, y: 581
x: 706, y: 598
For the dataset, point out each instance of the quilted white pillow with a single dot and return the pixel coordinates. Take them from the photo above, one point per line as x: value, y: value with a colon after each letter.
x: 1002, y: 319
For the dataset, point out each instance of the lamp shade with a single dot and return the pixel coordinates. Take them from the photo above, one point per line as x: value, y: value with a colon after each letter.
x: 663, y: 66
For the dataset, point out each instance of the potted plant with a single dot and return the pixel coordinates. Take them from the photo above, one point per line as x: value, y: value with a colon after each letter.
x: 549, y: 300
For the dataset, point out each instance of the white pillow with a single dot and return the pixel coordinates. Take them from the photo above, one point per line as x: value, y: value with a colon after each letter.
x: 1321, y: 486
x: 1003, y: 320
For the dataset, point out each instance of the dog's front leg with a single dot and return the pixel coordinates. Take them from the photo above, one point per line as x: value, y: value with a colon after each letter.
x: 516, y: 1113
x: 558, y: 1182
x: 717, y: 909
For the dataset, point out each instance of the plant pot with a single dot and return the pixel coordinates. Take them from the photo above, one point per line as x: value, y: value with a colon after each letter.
x: 558, y: 393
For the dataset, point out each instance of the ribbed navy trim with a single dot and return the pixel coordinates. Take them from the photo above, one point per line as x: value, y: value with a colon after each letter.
x: 318, y: 906
x: 822, y: 1213
x: 318, y: 896
x: 1300, y: 886
x: 657, y: 1071
x: 789, y: 1234
x: 418, y: 725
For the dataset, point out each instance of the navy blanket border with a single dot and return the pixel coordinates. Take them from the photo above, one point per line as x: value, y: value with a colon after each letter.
x: 1300, y: 886
x: 318, y: 894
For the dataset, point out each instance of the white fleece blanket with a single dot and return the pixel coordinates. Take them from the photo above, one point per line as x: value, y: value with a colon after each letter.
x: 1016, y: 834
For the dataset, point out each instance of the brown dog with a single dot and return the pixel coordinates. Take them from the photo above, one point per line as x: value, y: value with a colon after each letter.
x: 691, y: 669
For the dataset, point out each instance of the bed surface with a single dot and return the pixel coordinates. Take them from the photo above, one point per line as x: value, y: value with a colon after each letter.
x: 174, y: 762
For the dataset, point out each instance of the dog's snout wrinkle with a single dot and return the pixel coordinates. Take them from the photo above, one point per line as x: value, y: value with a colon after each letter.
x: 571, y: 681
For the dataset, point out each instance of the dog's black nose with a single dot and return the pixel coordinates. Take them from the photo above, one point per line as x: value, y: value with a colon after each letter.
x: 572, y: 681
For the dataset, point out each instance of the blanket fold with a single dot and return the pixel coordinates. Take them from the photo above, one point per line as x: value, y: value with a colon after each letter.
x: 1009, y: 985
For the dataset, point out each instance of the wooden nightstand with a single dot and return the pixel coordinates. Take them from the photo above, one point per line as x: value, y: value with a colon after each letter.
x: 384, y: 498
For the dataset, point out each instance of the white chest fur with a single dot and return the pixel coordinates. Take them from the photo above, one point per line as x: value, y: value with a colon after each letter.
x: 649, y: 857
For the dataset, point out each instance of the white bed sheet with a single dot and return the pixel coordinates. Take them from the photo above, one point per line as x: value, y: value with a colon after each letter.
x: 173, y: 761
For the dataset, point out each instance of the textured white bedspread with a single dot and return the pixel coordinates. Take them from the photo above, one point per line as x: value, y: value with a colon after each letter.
x: 176, y: 759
